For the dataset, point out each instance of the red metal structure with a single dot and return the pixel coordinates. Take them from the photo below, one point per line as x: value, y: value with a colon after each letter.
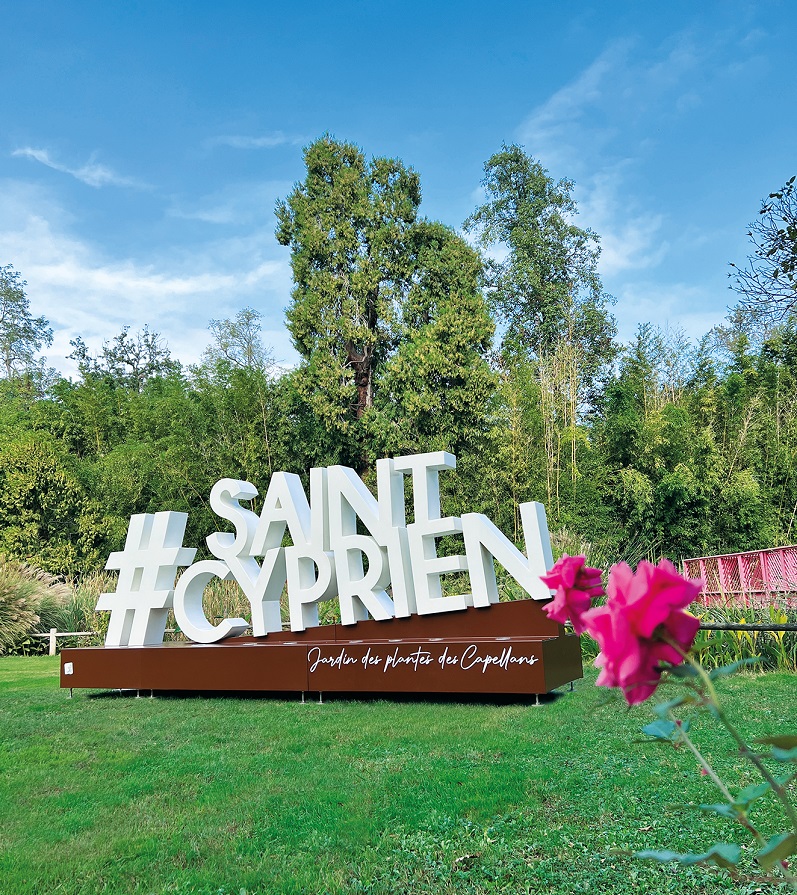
x: 753, y: 578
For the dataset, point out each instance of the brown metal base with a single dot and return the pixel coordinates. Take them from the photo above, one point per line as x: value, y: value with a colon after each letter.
x: 508, y: 648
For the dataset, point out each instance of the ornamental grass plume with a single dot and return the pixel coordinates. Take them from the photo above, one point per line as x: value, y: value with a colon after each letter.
x: 30, y: 599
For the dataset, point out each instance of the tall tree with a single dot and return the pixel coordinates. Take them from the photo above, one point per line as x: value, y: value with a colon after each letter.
x: 21, y: 334
x: 381, y: 297
x: 238, y: 342
x: 434, y: 392
x: 547, y: 288
x: 768, y: 282
x: 548, y: 298
x: 348, y: 225
x: 129, y: 361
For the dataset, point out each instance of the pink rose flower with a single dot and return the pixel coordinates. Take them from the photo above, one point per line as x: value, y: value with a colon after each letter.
x: 641, y: 625
x: 576, y: 584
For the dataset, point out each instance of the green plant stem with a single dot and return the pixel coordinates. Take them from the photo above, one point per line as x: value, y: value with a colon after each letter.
x: 744, y: 749
x: 701, y: 760
x: 744, y: 820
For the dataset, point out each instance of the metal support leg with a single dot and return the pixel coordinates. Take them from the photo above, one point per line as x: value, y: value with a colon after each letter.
x: 572, y: 686
x: 70, y: 692
x: 151, y: 694
x: 537, y: 699
x: 320, y: 698
x: 303, y: 702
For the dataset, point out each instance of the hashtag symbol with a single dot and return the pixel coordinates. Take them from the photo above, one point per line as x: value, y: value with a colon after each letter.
x: 147, y: 569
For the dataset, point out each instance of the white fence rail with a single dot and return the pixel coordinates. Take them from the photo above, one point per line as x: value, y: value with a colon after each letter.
x: 55, y: 633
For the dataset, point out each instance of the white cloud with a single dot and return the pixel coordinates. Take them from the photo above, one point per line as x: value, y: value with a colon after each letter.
x: 612, y: 129
x: 630, y: 238
x: 693, y: 308
x: 265, y: 141
x: 236, y: 203
x: 92, y: 173
x: 597, y: 130
x: 553, y: 131
x: 85, y: 293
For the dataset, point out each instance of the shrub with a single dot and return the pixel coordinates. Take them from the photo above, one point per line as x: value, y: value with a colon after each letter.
x: 772, y: 649
x: 31, y: 600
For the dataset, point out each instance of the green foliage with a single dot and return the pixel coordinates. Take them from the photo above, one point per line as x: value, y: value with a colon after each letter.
x: 126, y: 360
x: 548, y: 288
x: 349, y: 229
x: 17, y: 612
x: 557, y: 342
x: 386, y: 311
x: 659, y: 447
x: 770, y: 649
x: 746, y: 806
x: 46, y: 515
x: 697, y: 454
x: 21, y: 334
x: 435, y: 390
x: 79, y: 613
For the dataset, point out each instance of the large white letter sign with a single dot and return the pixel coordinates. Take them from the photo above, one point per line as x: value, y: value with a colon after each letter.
x: 311, y: 579
x: 285, y: 506
x: 483, y: 542
x: 423, y: 533
x: 224, y: 501
x: 262, y: 584
x: 311, y: 565
x: 188, y: 611
x: 390, y: 488
x: 359, y: 592
x: 147, y: 566
x: 345, y: 540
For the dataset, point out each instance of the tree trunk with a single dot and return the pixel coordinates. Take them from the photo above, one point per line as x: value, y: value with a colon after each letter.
x: 362, y: 365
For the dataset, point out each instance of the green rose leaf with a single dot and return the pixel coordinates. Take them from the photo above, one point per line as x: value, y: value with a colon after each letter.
x: 782, y: 741
x: 752, y: 792
x: 784, y: 754
x: 723, y: 809
x: 777, y: 849
x: 726, y: 670
x: 723, y: 854
x: 684, y: 671
x: 661, y: 730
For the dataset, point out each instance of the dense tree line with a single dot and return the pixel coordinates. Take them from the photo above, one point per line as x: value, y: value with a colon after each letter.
x: 411, y: 339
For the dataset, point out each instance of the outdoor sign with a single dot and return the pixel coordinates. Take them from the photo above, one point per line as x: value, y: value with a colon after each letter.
x: 398, y: 631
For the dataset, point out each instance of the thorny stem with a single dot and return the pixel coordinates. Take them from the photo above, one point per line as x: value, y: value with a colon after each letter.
x: 744, y: 749
x: 701, y: 760
x: 741, y: 814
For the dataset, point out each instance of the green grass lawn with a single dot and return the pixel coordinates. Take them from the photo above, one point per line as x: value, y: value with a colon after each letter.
x: 103, y: 793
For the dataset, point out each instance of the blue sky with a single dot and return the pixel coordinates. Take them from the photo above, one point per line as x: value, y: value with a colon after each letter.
x: 143, y: 145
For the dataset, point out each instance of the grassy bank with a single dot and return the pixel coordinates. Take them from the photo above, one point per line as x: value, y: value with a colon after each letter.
x: 104, y: 793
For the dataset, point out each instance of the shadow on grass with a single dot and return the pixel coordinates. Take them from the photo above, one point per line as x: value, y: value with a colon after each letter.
x: 316, y: 698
